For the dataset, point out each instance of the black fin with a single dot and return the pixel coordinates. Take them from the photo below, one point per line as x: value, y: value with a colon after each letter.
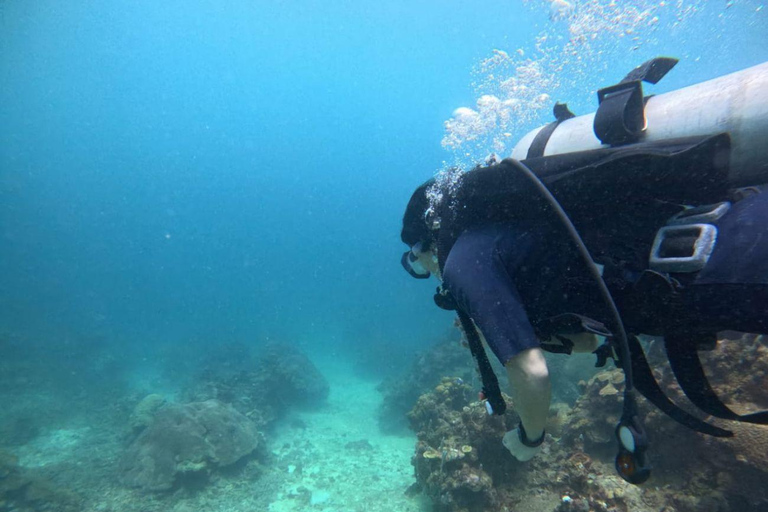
x: 646, y: 384
x: 684, y: 359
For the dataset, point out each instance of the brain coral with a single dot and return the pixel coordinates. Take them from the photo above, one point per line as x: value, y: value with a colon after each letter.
x: 198, y: 436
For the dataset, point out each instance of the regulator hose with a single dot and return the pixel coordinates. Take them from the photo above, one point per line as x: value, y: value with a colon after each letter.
x: 630, y: 461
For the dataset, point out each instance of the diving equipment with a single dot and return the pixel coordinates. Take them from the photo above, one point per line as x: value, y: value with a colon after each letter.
x: 412, y: 265
x: 638, y: 187
x: 736, y: 103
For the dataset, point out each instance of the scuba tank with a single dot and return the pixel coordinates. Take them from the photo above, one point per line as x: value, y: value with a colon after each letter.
x: 736, y: 103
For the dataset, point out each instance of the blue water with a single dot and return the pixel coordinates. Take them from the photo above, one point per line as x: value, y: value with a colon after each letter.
x: 238, y: 170
x: 190, y: 173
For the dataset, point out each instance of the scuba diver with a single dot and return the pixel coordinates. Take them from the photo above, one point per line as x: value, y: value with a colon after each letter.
x: 646, y: 217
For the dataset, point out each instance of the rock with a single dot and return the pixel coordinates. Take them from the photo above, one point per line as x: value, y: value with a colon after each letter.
x: 401, y: 393
x: 459, y: 448
x: 361, y: 445
x: 24, y: 490
x: 144, y: 412
x: 282, y: 378
x: 692, y: 472
x: 196, y: 437
x: 731, y: 470
x: 293, y: 375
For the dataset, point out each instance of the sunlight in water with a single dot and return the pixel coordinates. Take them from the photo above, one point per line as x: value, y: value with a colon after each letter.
x: 514, y: 87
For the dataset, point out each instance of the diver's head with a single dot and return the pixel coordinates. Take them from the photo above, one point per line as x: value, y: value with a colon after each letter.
x: 420, y: 261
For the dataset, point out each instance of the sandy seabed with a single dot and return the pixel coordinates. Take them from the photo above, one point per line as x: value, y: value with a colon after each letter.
x: 333, y: 459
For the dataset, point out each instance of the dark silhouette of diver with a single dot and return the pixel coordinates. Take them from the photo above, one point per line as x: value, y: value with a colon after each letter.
x: 633, y: 238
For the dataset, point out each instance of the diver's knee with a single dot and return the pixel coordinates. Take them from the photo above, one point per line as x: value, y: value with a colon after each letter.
x: 530, y: 365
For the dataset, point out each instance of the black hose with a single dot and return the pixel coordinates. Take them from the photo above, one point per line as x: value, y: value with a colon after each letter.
x: 623, y: 345
x: 491, y: 388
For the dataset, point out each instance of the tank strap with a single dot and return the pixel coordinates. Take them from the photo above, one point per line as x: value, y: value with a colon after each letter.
x: 564, y: 347
x: 646, y: 384
x: 539, y: 143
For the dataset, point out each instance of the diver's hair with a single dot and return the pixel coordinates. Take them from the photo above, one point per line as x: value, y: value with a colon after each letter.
x: 415, y: 228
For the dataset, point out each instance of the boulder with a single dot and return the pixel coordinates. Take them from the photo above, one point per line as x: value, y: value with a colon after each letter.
x: 191, y: 438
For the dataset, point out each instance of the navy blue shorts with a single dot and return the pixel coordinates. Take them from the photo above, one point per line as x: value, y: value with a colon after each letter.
x: 476, y: 273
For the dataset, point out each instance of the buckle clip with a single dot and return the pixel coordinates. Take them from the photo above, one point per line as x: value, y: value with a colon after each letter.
x: 683, y: 248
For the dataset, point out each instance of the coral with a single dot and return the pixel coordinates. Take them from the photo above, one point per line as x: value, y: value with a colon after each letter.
x: 591, y: 422
x: 401, y: 392
x: 20, y: 430
x: 558, y: 416
x: 22, y: 490
x: 144, y: 412
x: 458, y: 451
x: 575, y: 469
x: 452, y: 357
x: 191, y: 438
x: 706, y: 473
x: 292, y: 375
x: 8, y: 463
x: 283, y: 377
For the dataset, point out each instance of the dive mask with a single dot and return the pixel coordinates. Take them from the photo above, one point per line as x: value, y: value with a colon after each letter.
x: 412, y: 265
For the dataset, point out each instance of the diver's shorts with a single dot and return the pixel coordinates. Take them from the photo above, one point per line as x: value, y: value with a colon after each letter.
x: 477, y: 274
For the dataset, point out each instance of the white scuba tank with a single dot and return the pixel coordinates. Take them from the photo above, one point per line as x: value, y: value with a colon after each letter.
x: 736, y: 103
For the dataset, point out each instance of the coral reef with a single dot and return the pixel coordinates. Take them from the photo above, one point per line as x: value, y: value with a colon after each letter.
x: 21, y: 490
x: 457, y: 454
x: 575, y: 470
x: 144, y: 413
x: 282, y: 377
x: 401, y: 392
x: 291, y: 376
x: 194, y: 438
x: 20, y: 429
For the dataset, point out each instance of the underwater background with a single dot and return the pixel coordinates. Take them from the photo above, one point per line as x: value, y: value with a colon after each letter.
x: 194, y: 194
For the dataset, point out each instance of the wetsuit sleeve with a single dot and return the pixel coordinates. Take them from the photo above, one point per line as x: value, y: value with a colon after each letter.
x: 476, y: 276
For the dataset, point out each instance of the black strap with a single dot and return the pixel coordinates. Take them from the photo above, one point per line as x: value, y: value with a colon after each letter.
x: 569, y: 323
x: 445, y: 300
x: 564, y: 347
x: 491, y: 388
x: 620, y: 118
x: 684, y: 360
x: 646, y: 384
x: 526, y: 441
x: 539, y: 143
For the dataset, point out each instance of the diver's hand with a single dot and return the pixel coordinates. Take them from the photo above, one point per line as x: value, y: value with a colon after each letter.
x: 513, y: 442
